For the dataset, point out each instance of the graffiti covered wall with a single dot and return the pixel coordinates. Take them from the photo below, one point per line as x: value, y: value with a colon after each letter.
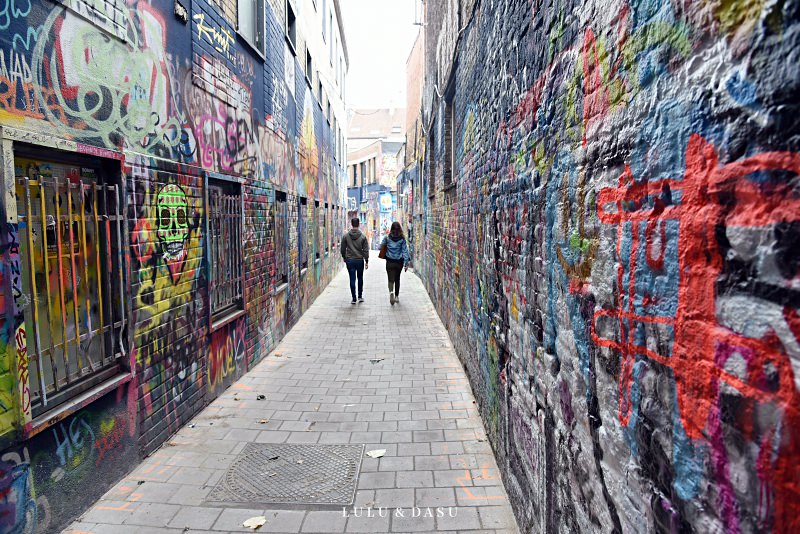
x: 617, y: 262
x: 180, y: 109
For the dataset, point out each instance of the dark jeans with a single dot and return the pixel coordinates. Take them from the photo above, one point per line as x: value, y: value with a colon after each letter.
x: 356, y: 268
x: 393, y: 270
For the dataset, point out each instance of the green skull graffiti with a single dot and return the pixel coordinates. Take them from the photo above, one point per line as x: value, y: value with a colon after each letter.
x: 173, y: 226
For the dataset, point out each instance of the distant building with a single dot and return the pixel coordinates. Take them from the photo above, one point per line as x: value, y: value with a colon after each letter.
x: 375, y: 137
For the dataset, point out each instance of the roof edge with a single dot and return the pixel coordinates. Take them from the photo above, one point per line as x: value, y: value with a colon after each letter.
x: 340, y: 23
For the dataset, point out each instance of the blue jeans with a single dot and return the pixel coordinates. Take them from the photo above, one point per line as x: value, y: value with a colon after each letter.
x: 356, y: 268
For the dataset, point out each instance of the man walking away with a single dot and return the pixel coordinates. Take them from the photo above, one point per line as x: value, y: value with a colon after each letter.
x: 355, y: 254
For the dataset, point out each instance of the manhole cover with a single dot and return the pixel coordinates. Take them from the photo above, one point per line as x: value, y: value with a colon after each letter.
x: 291, y: 474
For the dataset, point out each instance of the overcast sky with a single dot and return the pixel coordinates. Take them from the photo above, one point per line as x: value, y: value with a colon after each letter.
x: 379, y: 34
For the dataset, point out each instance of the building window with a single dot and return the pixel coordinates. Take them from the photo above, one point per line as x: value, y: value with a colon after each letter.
x: 251, y: 23
x: 449, y: 136
x: 72, y: 292
x: 324, y: 10
x: 309, y: 68
x: 341, y: 78
x: 302, y: 236
x: 325, y: 230
x: 311, y: 229
x: 105, y: 14
x: 225, y: 215
x: 320, y: 229
x: 335, y: 63
x: 319, y: 91
x: 280, y: 217
x: 333, y: 135
x: 431, y: 159
x: 291, y: 26
x: 334, y: 222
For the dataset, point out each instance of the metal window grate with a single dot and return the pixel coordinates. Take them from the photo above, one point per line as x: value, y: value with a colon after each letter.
x: 302, y: 232
x: 72, y: 265
x: 281, y: 246
x: 225, y: 248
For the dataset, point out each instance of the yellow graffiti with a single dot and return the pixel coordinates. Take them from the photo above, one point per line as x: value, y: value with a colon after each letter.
x: 220, y: 38
x: 309, y: 154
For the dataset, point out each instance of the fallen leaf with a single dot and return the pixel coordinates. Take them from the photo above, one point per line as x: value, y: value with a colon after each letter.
x: 376, y: 360
x: 264, y: 421
x: 190, y: 425
x: 299, y: 461
x: 236, y: 398
x: 261, y: 397
x: 274, y: 457
x: 377, y: 453
x: 255, y: 523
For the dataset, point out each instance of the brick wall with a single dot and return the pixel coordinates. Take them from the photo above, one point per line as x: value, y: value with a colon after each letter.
x: 615, y: 263
x: 161, y: 106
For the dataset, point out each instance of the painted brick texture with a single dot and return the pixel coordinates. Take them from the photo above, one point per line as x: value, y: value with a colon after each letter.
x: 615, y: 265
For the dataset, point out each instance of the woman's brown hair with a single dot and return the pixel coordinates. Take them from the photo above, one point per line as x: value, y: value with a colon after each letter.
x: 396, y: 230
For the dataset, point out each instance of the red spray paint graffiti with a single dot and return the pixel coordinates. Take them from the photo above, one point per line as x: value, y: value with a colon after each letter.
x: 711, y: 197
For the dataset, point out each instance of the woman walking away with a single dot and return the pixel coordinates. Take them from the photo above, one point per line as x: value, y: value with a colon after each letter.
x: 396, y: 257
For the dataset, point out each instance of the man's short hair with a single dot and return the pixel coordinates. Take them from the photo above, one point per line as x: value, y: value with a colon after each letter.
x: 355, y: 222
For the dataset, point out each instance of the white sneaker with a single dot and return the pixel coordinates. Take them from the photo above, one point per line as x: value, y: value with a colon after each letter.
x: 397, y: 299
x: 391, y: 298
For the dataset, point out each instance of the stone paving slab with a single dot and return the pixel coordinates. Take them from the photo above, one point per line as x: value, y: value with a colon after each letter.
x: 373, y: 374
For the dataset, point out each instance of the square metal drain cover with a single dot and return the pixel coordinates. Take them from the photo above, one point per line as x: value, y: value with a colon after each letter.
x: 291, y: 474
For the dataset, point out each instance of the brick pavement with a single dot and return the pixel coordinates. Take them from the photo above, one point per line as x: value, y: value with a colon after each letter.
x: 321, y: 387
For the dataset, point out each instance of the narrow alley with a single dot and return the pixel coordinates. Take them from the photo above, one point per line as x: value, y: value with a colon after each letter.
x: 600, y: 200
x: 371, y: 374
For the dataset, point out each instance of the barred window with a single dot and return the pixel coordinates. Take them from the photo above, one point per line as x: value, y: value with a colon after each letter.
x: 335, y: 217
x: 319, y: 218
x: 302, y: 232
x: 281, y: 216
x: 225, y: 215
x: 324, y: 223
x: 72, y: 290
